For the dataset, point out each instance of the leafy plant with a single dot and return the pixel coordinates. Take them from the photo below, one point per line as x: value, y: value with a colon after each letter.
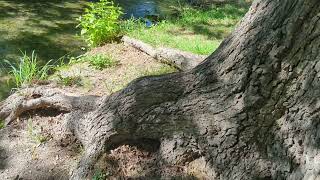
x: 100, y: 23
x: 100, y: 61
x: 28, y: 69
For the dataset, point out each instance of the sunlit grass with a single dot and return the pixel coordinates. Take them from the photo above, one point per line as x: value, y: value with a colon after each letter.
x: 196, y: 30
x: 28, y: 69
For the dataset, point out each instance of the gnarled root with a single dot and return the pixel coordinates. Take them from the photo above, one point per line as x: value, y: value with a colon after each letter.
x: 42, y: 97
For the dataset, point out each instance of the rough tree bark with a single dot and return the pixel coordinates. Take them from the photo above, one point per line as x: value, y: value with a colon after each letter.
x: 250, y: 111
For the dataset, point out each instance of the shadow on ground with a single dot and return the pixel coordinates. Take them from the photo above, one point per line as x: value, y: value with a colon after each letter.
x: 48, y: 27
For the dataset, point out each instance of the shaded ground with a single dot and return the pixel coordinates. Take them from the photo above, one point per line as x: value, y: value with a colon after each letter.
x: 48, y: 27
x: 38, y: 146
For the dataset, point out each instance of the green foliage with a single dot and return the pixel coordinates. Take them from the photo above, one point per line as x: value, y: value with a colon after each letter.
x: 159, y: 71
x: 2, y: 124
x: 197, y: 30
x: 100, y: 23
x: 34, y: 135
x: 70, y: 80
x: 99, y: 176
x: 28, y: 69
x: 100, y: 61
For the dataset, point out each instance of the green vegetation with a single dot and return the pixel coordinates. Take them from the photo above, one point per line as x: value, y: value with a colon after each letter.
x: 35, y: 135
x: 165, y: 69
x: 28, y: 69
x: 195, y: 30
x: 70, y: 80
x: 99, y: 176
x: 2, y: 124
x: 100, y: 23
x: 45, y: 26
x: 100, y: 61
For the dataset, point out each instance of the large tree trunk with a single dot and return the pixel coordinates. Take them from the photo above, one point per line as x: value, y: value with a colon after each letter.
x: 250, y: 111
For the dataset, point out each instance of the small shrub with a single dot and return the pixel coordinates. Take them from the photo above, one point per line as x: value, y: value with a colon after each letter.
x: 101, y: 61
x: 28, y: 69
x: 100, y: 23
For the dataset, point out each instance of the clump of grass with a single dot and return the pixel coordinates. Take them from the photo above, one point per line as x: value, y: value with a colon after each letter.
x: 100, y: 61
x: 2, y: 124
x: 70, y: 80
x: 34, y: 135
x: 99, y: 175
x: 28, y: 69
x: 159, y: 71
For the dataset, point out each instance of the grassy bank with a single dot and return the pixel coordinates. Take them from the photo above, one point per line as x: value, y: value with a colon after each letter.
x: 195, y: 30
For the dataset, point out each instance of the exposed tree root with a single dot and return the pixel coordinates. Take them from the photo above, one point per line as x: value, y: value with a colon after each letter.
x: 250, y: 111
x: 179, y: 59
x: 40, y: 98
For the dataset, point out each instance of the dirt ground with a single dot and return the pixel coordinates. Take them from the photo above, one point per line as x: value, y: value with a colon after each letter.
x: 37, y: 147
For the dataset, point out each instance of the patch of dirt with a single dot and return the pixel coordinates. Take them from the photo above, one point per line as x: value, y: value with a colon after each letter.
x: 38, y: 145
x: 132, y: 64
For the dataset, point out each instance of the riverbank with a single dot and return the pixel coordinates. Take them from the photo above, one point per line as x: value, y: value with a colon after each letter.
x: 195, y: 30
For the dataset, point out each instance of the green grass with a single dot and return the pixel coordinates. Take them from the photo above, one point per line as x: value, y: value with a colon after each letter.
x: 196, y: 30
x: 28, y: 69
x: 70, y: 80
x: 49, y: 27
x: 2, y: 124
x: 100, y: 61
x: 165, y: 69
x: 99, y: 175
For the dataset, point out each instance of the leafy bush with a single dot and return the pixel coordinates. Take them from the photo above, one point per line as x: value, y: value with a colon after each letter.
x: 100, y: 61
x: 100, y: 23
x: 28, y: 69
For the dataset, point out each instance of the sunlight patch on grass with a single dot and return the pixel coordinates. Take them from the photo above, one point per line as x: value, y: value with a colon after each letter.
x: 196, y: 30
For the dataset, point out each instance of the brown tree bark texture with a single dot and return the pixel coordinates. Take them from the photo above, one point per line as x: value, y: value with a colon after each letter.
x: 251, y: 110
